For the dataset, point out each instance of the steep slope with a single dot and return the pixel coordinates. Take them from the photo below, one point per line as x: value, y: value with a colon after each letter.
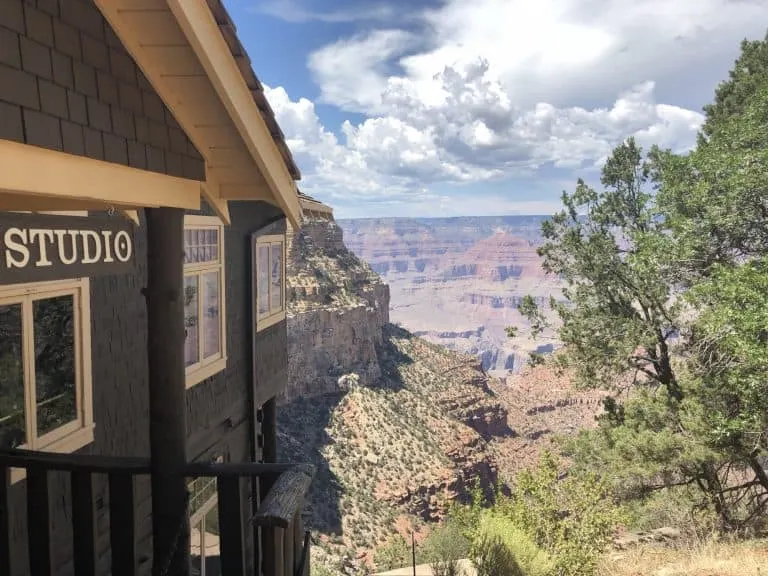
x: 397, y: 426
x: 393, y: 454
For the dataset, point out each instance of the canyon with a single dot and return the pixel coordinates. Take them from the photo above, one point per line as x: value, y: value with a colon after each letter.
x: 398, y: 426
x: 459, y: 281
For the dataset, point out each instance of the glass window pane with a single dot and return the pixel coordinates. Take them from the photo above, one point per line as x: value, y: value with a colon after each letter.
x: 276, y: 262
x: 187, y: 246
x: 201, y: 245
x: 262, y: 281
x: 12, y: 421
x: 211, y: 314
x: 196, y: 548
x: 211, y: 542
x: 54, y: 334
x: 192, y: 335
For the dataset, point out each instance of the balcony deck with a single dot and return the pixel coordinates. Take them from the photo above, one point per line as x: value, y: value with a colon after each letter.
x: 280, y: 544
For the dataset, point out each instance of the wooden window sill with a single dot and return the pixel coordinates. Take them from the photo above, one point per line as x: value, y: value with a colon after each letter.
x: 200, y: 373
x: 267, y: 321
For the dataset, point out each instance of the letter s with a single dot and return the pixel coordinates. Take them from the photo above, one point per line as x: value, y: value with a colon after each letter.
x: 11, y: 245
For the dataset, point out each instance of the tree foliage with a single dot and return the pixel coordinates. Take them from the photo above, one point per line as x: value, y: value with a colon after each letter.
x: 666, y: 288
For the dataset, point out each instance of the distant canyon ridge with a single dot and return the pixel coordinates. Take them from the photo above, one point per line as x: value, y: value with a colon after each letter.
x: 459, y: 281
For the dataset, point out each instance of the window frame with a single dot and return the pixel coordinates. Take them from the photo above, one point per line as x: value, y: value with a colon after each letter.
x: 269, y: 318
x: 206, y: 367
x: 79, y: 433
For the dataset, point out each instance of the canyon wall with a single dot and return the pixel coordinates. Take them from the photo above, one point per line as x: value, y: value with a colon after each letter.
x: 459, y: 282
x: 337, y: 309
x: 397, y: 426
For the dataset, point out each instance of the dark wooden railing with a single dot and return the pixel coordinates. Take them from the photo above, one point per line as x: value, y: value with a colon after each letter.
x: 283, y: 543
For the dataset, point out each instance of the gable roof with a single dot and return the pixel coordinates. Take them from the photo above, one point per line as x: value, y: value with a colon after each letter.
x: 229, y: 32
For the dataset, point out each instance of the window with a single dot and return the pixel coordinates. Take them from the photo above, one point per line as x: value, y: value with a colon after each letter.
x: 204, y: 526
x: 270, y: 280
x: 45, y: 368
x: 205, y: 346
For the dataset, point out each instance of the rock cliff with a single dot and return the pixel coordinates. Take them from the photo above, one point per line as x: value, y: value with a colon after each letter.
x: 337, y: 309
x: 397, y: 426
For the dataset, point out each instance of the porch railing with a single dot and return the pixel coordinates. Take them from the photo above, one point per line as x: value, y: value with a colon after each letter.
x: 282, y: 544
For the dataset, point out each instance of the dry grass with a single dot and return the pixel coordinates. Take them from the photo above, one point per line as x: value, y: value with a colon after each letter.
x: 710, y: 559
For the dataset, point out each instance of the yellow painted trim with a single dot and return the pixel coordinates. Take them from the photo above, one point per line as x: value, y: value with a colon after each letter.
x: 205, y: 371
x: 310, y: 206
x: 67, y: 445
x: 199, y: 26
x: 212, y: 194
x: 38, y: 172
x: 132, y: 215
x: 79, y: 433
x: 264, y: 321
x: 206, y: 368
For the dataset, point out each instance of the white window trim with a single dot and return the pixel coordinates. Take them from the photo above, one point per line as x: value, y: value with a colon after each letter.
x: 76, y: 435
x: 207, y: 367
x: 270, y: 318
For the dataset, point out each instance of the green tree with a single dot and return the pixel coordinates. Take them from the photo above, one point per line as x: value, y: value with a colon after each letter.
x: 666, y: 280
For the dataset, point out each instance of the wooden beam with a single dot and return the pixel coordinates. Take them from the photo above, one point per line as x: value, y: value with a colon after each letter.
x: 38, y: 523
x: 167, y: 390
x: 132, y: 215
x: 84, y: 534
x: 59, y: 178
x: 285, y: 498
x: 199, y: 26
x: 246, y: 192
x: 212, y: 194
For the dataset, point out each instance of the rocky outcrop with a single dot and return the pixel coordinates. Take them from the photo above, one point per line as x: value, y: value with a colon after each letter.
x: 337, y: 309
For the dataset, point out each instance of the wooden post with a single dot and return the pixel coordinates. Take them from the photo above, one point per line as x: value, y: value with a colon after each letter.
x: 269, y: 436
x: 167, y: 407
x: 270, y: 544
x: 269, y: 430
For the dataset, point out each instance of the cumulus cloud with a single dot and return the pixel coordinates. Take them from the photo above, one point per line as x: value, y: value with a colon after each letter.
x: 490, y: 90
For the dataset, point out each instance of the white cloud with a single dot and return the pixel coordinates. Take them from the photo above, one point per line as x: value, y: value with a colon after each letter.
x: 494, y: 89
x: 293, y: 11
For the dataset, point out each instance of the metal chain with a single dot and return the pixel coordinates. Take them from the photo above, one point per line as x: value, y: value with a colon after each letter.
x: 175, y: 543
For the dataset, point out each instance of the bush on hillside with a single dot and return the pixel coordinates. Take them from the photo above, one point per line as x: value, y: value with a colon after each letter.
x: 531, y: 559
x: 572, y: 518
x: 444, y: 547
x: 678, y: 507
x: 491, y: 557
x: 394, y: 554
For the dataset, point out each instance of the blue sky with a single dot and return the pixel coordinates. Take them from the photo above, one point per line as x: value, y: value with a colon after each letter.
x: 453, y: 107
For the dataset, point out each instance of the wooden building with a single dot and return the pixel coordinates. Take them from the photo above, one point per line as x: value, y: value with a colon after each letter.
x: 145, y: 193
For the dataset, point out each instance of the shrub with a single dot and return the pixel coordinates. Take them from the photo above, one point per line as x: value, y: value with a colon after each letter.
x: 444, y: 547
x: 532, y: 560
x: 394, y: 554
x: 572, y: 518
x: 491, y: 557
x: 679, y: 507
x: 320, y: 570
